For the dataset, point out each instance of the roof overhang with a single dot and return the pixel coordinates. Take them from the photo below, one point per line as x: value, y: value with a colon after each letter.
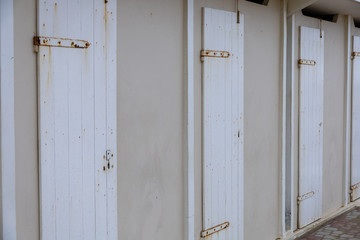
x: 327, y: 7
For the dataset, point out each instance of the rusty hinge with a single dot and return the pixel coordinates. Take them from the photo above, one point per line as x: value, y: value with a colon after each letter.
x: 355, y: 186
x: 305, y: 196
x: 306, y: 62
x: 60, y: 42
x: 215, y: 229
x: 355, y: 54
x: 214, y: 54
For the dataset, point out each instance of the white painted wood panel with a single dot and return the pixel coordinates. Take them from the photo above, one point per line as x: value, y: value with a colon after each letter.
x: 311, y: 96
x: 223, y: 131
x: 355, y: 122
x: 77, y: 121
x: 7, y: 121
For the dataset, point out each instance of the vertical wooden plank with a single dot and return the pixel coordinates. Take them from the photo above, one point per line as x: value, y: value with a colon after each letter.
x: 46, y: 127
x: 60, y: 89
x: 111, y: 113
x: 7, y: 121
x: 223, y: 124
x: 355, y: 124
x: 75, y: 92
x: 88, y: 125
x: 100, y: 121
x: 61, y: 142
x: 311, y: 125
x: 240, y: 196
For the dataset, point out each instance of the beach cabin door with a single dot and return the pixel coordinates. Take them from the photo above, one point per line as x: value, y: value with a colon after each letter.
x: 311, y: 100
x: 223, y: 125
x: 355, y: 126
x: 76, y: 45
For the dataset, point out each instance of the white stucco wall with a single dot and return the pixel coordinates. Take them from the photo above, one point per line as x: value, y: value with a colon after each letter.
x: 150, y: 119
x: 27, y: 200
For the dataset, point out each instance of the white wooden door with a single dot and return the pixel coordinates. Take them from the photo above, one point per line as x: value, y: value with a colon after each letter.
x: 77, y: 119
x: 223, y: 125
x: 355, y: 125
x: 311, y: 94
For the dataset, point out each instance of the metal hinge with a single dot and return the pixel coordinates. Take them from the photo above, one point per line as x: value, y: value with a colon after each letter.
x: 305, y: 196
x: 355, y: 54
x: 306, y: 62
x: 355, y: 186
x: 215, y: 229
x: 60, y: 42
x: 214, y: 54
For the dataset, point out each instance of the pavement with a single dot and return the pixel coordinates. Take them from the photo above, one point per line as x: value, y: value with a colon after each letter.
x: 343, y: 227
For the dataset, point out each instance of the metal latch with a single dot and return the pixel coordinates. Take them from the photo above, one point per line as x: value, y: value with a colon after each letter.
x: 214, y: 54
x: 306, y: 62
x: 215, y: 229
x: 305, y: 196
x: 108, y: 158
x: 60, y: 42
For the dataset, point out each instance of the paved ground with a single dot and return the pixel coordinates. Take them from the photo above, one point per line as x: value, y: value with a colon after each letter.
x: 344, y: 227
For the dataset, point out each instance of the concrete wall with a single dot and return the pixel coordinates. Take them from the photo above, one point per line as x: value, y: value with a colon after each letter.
x: 150, y: 119
x: 27, y: 200
x: 334, y: 109
x: 262, y: 115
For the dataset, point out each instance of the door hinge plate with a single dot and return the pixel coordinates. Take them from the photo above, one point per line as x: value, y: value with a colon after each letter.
x: 355, y: 54
x: 355, y: 186
x: 307, y: 62
x: 60, y: 42
x: 214, y: 54
x: 215, y: 229
x: 305, y: 196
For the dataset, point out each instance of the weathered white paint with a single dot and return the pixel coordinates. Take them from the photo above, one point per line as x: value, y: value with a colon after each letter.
x: 311, y: 125
x: 77, y: 121
x: 292, y: 145
x: 284, y: 120
x: 355, y: 136
x: 110, y: 36
x: 223, y: 119
x: 7, y: 121
x: 349, y: 22
x: 189, y: 201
